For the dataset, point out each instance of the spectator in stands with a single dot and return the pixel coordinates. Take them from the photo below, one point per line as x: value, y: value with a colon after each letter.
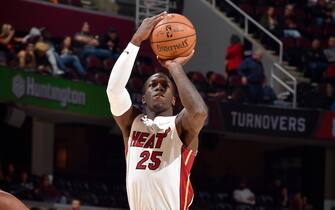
x: 45, y: 59
x: 330, y: 51
x: 67, y: 58
x: 234, y: 54
x: 110, y: 41
x: 75, y: 204
x: 199, y: 81
x: 10, y: 177
x: 33, y: 35
x: 25, y: 186
x: 330, y: 72
x: 291, y: 30
x: 306, y: 204
x: 332, y: 106
x: 6, y: 43
x: 296, y: 202
x: 269, y: 96
x: 311, y: 2
x: 89, y: 44
x: 212, y: 90
x: 46, y: 191
x: 288, y: 16
x: 319, y: 12
x: 330, y: 13
x: 42, y: 61
x: 252, y: 73
x: 279, y: 193
x: 269, y: 20
x: 315, y: 62
x: 26, y: 57
x: 243, y: 195
x: 46, y: 49
x: 11, y: 172
x: 84, y: 37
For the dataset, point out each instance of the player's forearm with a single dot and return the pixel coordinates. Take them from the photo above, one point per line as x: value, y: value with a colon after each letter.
x: 189, y: 96
x: 122, y: 69
x: 118, y: 96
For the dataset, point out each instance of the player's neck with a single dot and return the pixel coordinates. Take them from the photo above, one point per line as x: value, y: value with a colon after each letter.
x: 151, y: 115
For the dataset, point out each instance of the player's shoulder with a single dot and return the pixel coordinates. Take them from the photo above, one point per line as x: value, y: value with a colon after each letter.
x: 9, y: 202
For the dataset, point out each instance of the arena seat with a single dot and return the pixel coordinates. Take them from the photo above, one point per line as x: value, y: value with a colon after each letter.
x: 94, y: 63
x: 219, y: 81
x: 108, y: 64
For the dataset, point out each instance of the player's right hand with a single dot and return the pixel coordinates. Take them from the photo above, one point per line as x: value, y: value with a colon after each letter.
x: 179, y: 60
x: 145, y: 29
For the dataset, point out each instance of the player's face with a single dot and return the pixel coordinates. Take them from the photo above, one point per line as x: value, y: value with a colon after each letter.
x: 158, y: 95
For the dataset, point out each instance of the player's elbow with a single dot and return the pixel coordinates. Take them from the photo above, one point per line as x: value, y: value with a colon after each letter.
x: 200, y: 113
x: 109, y: 93
x: 112, y: 89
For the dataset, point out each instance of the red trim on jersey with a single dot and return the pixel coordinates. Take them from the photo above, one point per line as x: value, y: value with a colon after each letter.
x: 126, y: 151
x: 186, y: 190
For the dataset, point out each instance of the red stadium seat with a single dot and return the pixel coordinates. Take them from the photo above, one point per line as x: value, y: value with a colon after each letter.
x: 260, y: 11
x: 323, y: 43
x: 329, y: 30
x: 280, y: 3
x: 315, y: 31
x: 289, y: 42
x: 93, y: 62
x: 330, y: 72
x: 76, y: 3
x: 199, y: 80
x: 101, y: 78
x: 247, y: 8
x: 197, y: 77
x: 108, y: 64
x: 235, y: 81
x: 300, y: 13
x: 304, y: 43
x: 279, y: 10
x: 219, y: 80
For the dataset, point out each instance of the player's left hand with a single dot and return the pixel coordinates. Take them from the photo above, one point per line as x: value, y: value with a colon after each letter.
x: 143, y: 32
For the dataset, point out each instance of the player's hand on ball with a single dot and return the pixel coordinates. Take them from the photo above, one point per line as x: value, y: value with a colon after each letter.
x: 179, y: 61
x: 145, y: 29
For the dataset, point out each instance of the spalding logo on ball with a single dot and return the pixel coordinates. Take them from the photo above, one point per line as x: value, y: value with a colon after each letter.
x: 172, y: 37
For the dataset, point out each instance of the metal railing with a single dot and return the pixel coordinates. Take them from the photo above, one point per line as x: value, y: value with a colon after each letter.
x: 248, y: 19
x: 275, y: 78
x: 148, y: 8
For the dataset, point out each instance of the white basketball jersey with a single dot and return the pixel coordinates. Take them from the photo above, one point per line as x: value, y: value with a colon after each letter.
x: 158, y: 166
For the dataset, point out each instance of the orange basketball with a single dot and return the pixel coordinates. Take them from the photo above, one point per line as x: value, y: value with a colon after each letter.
x: 172, y: 37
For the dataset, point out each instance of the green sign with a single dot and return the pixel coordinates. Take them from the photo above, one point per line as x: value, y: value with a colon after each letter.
x: 45, y: 91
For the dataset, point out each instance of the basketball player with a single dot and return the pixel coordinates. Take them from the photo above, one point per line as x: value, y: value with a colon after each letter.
x: 160, y: 147
x: 9, y: 202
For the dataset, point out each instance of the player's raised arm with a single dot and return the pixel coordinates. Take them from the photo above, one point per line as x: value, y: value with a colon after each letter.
x: 192, y: 118
x: 119, y: 98
x: 9, y: 202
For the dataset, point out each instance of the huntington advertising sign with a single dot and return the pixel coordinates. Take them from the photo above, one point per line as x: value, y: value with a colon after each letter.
x: 28, y: 87
x: 46, y: 91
